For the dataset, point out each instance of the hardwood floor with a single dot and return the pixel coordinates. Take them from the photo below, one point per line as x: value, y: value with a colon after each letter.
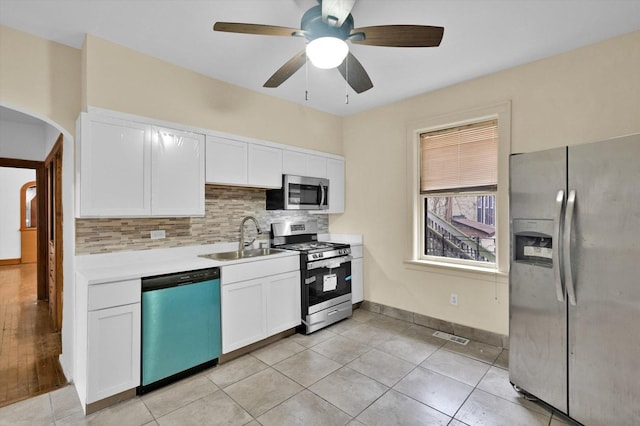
x: 29, y: 350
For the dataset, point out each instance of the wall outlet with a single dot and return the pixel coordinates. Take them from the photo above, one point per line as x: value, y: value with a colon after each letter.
x: 157, y: 235
x: 454, y: 299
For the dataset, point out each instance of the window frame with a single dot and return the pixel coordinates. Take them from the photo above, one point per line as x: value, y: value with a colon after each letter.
x: 452, y: 260
x: 415, y: 238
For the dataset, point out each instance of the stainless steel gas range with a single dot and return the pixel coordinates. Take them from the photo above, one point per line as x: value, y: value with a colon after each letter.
x: 325, y: 270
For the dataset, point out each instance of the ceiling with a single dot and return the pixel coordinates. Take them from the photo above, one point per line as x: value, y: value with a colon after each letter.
x: 481, y: 37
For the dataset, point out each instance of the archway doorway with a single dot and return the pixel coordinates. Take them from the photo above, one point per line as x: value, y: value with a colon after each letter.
x: 31, y: 292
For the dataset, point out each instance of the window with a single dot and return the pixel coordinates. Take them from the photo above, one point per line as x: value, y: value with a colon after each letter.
x: 458, y: 176
x: 458, y: 181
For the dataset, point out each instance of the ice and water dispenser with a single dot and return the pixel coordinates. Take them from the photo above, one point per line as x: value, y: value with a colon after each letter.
x: 532, y: 241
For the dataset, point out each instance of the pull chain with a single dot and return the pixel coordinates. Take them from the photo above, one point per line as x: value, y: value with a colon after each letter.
x: 306, y: 78
x: 346, y: 80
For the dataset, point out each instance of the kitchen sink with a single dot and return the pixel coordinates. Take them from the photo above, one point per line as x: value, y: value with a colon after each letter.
x: 242, y: 254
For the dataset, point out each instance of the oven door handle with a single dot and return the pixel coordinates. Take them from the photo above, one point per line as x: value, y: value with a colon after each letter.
x: 329, y: 263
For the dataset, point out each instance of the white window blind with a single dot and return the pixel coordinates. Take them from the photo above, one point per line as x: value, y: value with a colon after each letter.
x: 460, y: 159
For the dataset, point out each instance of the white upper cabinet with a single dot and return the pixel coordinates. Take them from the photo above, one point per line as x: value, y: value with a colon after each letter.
x: 129, y: 169
x: 303, y: 164
x: 335, y: 174
x: 226, y: 161
x: 114, y: 157
x: 177, y: 173
x: 265, y: 166
x: 232, y: 162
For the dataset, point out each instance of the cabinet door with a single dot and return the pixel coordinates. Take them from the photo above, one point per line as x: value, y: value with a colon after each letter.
x: 293, y: 163
x: 316, y: 166
x: 113, y: 363
x: 115, y: 174
x: 226, y: 161
x: 357, y: 281
x: 335, y: 174
x: 243, y: 314
x: 177, y: 173
x: 302, y: 164
x: 265, y: 167
x: 283, y: 302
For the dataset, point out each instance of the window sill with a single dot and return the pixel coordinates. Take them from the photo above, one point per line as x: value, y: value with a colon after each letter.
x: 466, y: 271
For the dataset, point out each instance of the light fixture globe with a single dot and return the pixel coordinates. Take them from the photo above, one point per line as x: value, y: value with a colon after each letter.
x: 327, y: 52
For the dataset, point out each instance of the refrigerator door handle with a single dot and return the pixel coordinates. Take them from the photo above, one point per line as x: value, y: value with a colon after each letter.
x: 568, y: 222
x: 557, y: 229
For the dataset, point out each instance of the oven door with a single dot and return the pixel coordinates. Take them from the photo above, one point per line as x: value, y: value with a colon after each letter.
x: 326, y: 283
x: 305, y: 193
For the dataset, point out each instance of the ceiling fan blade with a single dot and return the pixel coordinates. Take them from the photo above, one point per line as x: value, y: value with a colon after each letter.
x: 337, y: 9
x: 287, y: 70
x: 239, y: 27
x: 353, y: 71
x: 400, y: 35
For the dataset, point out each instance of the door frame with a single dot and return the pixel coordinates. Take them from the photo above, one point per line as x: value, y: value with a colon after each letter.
x: 54, y: 219
x: 41, y: 189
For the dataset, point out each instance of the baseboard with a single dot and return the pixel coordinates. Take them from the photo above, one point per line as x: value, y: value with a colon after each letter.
x: 4, y: 262
x: 476, y: 334
x: 257, y: 345
x: 111, y: 400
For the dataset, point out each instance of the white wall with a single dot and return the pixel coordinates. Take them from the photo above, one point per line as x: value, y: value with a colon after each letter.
x: 11, y: 180
x: 20, y: 140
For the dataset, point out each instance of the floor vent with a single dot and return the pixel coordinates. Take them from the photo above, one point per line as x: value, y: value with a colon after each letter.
x: 451, y: 338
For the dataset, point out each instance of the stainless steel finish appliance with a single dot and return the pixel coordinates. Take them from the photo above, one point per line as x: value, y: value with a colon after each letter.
x: 574, y: 279
x: 181, y: 331
x: 299, y: 193
x: 325, y: 270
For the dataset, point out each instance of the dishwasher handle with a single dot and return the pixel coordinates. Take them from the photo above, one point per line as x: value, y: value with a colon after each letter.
x: 159, y: 282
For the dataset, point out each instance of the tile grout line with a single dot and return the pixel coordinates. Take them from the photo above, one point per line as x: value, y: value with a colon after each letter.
x: 53, y: 417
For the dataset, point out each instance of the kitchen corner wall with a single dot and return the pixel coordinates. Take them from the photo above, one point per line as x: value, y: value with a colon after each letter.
x: 225, y: 207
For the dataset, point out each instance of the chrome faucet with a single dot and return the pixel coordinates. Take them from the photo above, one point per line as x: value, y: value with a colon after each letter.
x: 242, y: 243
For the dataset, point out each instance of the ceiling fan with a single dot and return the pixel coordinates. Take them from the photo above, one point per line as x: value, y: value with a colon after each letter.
x: 327, y: 27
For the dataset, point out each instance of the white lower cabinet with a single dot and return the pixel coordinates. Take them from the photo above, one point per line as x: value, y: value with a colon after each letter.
x: 107, y: 333
x: 243, y: 314
x: 357, y: 275
x: 283, y: 302
x: 255, y: 307
x: 113, y: 361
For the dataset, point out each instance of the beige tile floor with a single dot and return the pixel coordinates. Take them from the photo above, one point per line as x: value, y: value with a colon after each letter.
x: 367, y: 370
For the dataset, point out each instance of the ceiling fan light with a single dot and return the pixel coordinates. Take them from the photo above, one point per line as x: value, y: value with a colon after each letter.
x: 327, y: 52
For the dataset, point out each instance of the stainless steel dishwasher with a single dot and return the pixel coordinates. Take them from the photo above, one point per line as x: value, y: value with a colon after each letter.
x: 181, y: 331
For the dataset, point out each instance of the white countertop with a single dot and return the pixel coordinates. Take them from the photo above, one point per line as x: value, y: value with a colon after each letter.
x: 101, y: 268
x: 126, y: 265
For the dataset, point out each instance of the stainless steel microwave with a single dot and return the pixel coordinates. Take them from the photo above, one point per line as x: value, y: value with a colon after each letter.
x: 299, y: 193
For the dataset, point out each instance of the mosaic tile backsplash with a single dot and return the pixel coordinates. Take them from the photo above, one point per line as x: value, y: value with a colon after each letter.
x: 225, y: 208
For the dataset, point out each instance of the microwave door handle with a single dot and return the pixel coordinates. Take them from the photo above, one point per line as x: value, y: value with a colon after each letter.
x: 322, y: 195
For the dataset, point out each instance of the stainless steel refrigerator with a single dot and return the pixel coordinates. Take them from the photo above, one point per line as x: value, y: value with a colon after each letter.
x: 574, y: 320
